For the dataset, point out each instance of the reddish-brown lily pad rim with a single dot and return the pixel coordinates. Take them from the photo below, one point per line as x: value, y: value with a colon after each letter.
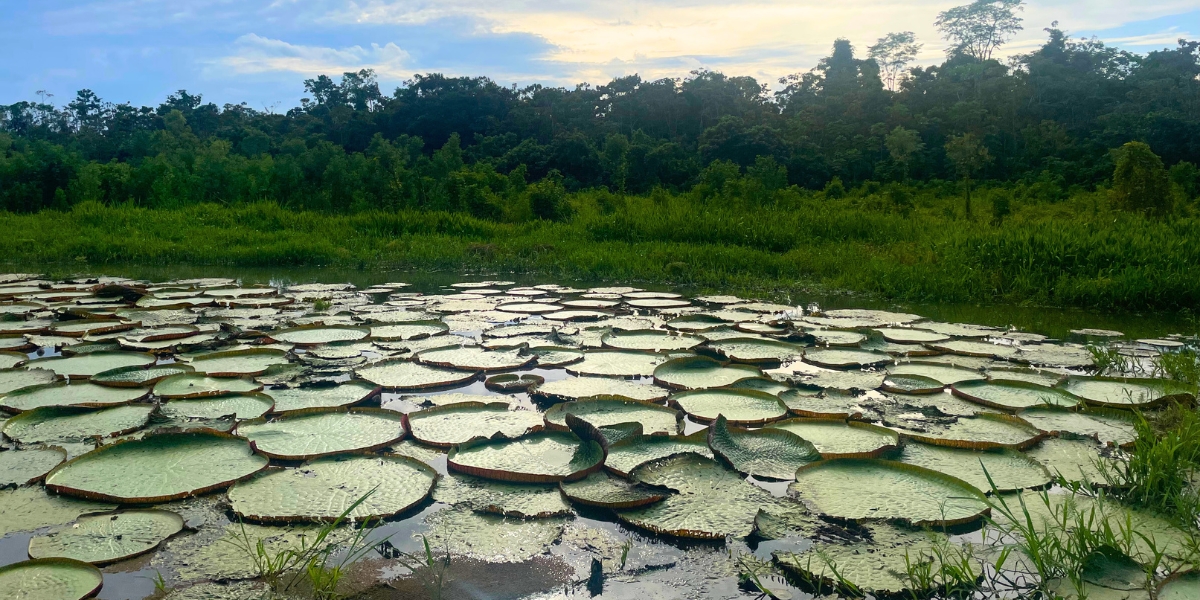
x: 365, y: 331
x: 307, y: 413
x: 374, y: 392
x: 460, y: 407
x: 962, y: 389
x: 650, y: 498
x: 589, y: 435
x: 149, y: 383
x: 61, y: 384
x: 274, y: 352
x: 62, y: 562
x: 1036, y: 437
x: 879, y: 452
x: 101, y: 563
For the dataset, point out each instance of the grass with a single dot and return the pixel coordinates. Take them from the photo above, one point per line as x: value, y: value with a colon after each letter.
x: 1065, y: 257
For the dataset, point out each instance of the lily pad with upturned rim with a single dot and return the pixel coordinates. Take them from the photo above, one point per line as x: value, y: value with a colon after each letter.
x: 911, y: 384
x: 602, y: 412
x: 836, y: 358
x: 83, y: 366
x: 238, y: 363
x: 943, y: 373
x: 1130, y: 393
x: 241, y: 406
x: 66, y: 423
x: 1012, y: 396
x: 1010, y: 470
x: 544, y: 457
x: 756, y: 351
x: 742, y: 407
x: 309, y: 435
x: 982, y: 432
x: 315, y: 335
x: 767, y: 453
x: 50, y: 579
x: 445, y: 426
x: 626, y: 455
x: 693, y: 373
x: 473, y: 358
x: 317, y: 397
x: 838, y: 438
x: 78, y: 394
x: 194, y: 385
x: 403, y: 375
x: 107, y: 538
x: 603, y: 491
x: 578, y: 388
x: 23, y: 467
x: 616, y: 363
x: 650, y: 340
x: 512, y: 383
x: 1107, y: 425
x: 139, y: 376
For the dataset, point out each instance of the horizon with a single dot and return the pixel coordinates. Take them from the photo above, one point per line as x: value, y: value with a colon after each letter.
x: 260, y: 51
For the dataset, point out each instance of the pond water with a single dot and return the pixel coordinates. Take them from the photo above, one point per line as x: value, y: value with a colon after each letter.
x: 793, y: 438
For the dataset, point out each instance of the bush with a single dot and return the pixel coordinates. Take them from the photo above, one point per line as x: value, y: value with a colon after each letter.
x: 1140, y: 183
x: 548, y: 199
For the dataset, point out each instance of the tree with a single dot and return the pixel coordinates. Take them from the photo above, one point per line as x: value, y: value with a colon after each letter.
x: 968, y: 155
x: 893, y: 53
x: 902, y: 145
x: 1140, y: 183
x: 979, y: 28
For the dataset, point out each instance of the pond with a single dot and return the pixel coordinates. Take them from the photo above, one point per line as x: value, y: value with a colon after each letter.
x: 201, y: 433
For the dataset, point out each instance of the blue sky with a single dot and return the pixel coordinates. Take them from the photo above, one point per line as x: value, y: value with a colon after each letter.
x: 260, y: 51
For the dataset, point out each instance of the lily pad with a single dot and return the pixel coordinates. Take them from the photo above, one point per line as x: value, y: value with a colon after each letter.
x: 982, y: 432
x: 408, y: 331
x: 545, y: 457
x: 1034, y: 376
x: 512, y: 383
x: 238, y: 363
x: 650, y: 340
x: 50, y: 579
x: 550, y: 357
x: 694, y: 373
x: 756, y: 351
x: 494, y: 538
x: 193, y: 385
x: 1012, y: 395
x: 578, y: 388
x: 321, y: 396
x: 139, y: 376
x: 446, y: 426
x: 616, y: 363
x: 315, y: 335
x: 911, y: 336
x: 1074, y: 460
x: 241, y: 406
x: 308, y: 435
x: 912, y: 384
x: 765, y: 453
x: 858, y: 489
x: 70, y: 394
x: 836, y: 438
x: 1054, y: 355
x: 696, y: 323
x: 743, y: 407
x: 107, y: 538
x: 602, y: 412
x: 1125, y: 393
x: 943, y: 373
x: 323, y: 489
x: 66, y: 424
x: 519, y: 500
x: 975, y: 348
x: 626, y: 455
x: 402, y: 375
x: 22, y: 467
x: 828, y: 404
x: 834, y: 358
x: 1009, y: 469
x: 1109, y: 426
x: 157, y: 468
x: 1182, y: 586
x: 83, y: 366
x: 474, y: 358
x: 601, y: 490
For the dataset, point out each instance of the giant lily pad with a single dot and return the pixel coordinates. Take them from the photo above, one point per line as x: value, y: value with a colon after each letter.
x: 766, y: 453
x: 616, y: 363
x: 650, y: 340
x: 975, y: 348
x: 837, y: 438
x: 911, y: 384
x: 602, y: 412
x: 1054, y: 355
x: 83, y: 366
x: 192, y: 385
x: 322, y: 490
x: 942, y: 373
x: 756, y: 351
x: 746, y: 407
x: 626, y: 455
x: 65, y: 424
x: 50, y: 579
x: 408, y: 331
x: 321, y: 396
x: 73, y: 394
x: 577, y: 388
x: 1109, y: 426
x: 835, y: 358
x: 601, y: 490
x: 139, y: 376
x: 21, y: 467
x: 474, y: 358
x: 315, y: 335
x: 238, y: 363
x: 1012, y: 395
x: 701, y: 372
x: 859, y: 489
x: 911, y: 336
x: 157, y: 468
x: 1125, y: 393
x: 519, y: 500
x: 712, y: 502
x: 107, y: 538
x: 453, y: 424
x: 545, y: 457
x: 303, y: 436
x: 29, y: 508
x: 12, y: 380
x: 825, y: 404
x: 1009, y: 469
x: 241, y: 406
x: 981, y: 432
x: 1073, y: 460
x: 1182, y: 586
x: 401, y: 375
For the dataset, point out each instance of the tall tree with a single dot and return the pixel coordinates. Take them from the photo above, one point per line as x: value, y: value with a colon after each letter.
x: 979, y: 28
x: 968, y: 156
x: 1140, y: 183
x: 893, y: 53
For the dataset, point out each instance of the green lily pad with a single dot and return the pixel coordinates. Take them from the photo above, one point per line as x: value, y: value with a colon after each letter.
x: 1010, y: 470
x: 83, y: 366
x: 602, y: 412
x: 1109, y: 426
x: 975, y: 348
x: 616, y: 363
x: 139, y: 376
x: 1054, y: 355
x: 453, y: 424
x: 321, y: 396
x: 66, y: 424
x: 1034, y: 376
x: 408, y: 331
x: 858, y: 489
x: 762, y: 384
x: 550, y: 357
x: 696, y: 323
x: 1074, y: 460
x: 1182, y: 586
x: 9, y: 360
x: 545, y: 457
x: 911, y: 336
x: 62, y: 393
x: 756, y: 351
x: 912, y: 384
x: 578, y: 388
x: 701, y: 372
x: 315, y: 335
x: 650, y: 340
x: 519, y: 500
x: 837, y: 438
x: 512, y: 383
x: 238, y: 363
x: 194, y: 385
x: 30, y: 508
x: 712, y: 502
x: 402, y: 375
x: 627, y: 454
x: 828, y: 404
x: 474, y: 358
x: 942, y: 373
x: 22, y: 467
x: 157, y: 468
x: 241, y: 406
x: 1125, y: 393
x: 1012, y: 395
x: 308, y: 435
x: 456, y: 398
x: 743, y: 407
x: 491, y: 537
x: 765, y: 453
x: 12, y: 380
x: 835, y: 358
x: 601, y: 490
x: 981, y: 432
x: 50, y: 579
x: 323, y: 489
x: 107, y: 538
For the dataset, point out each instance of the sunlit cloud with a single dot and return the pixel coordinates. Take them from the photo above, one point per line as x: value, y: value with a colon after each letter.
x: 257, y: 54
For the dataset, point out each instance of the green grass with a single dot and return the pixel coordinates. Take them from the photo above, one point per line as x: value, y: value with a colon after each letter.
x: 1065, y: 255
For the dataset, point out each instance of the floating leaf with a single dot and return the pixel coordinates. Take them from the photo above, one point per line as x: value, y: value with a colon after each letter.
x: 65, y: 424
x: 942, y: 373
x: 578, y: 388
x: 83, y: 366
x: 746, y: 407
x: 474, y: 358
x: 106, y: 538
x: 315, y: 335
x: 981, y: 432
x: 1010, y: 470
x: 545, y: 457
x: 520, y: 500
x: 756, y: 351
x: 322, y: 396
x: 650, y: 340
x: 308, y: 435
x: 701, y: 372
x: 834, y: 358
x: 198, y: 386
x: 1126, y: 393
x: 12, y: 380
x: 601, y: 490
x: 70, y: 394
x: 767, y: 453
x: 50, y: 579
x: 1109, y: 426
x: 616, y: 363
x: 241, y: 406
x: 626, y: 455
x: 601, y: 412
x: 401, y: 375
x: 238, y: 363
x: 139, y: 376
x: 837, y: 438
x: 1012, y: 395
x: 453, y: 424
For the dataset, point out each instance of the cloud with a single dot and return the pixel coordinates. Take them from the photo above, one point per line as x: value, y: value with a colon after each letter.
x: 256, y: 54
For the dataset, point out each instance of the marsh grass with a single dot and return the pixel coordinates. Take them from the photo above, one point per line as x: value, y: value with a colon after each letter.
x: 1161, y: 466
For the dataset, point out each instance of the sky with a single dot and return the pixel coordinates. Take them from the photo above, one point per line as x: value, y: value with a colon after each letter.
x: 260, y: 51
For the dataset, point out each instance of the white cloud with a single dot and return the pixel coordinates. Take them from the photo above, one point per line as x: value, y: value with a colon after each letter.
x: 256, y: 54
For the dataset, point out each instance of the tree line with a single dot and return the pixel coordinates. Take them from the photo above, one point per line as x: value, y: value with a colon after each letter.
x: 1075, y: 114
